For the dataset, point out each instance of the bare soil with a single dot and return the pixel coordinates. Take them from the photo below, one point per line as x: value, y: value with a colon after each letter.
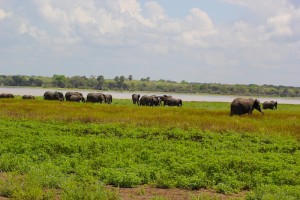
x: 148, y: 192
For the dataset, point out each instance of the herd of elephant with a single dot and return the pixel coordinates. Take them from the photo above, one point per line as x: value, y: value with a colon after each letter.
x: 238, y: 106
x: 77, y: 97
x: 154, y: 100
x: 145, y: 100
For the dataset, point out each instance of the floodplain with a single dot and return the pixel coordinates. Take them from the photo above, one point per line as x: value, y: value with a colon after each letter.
x: 66, y: 150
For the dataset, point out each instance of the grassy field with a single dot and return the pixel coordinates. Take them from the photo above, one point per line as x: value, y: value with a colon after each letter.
x: 70, y: 150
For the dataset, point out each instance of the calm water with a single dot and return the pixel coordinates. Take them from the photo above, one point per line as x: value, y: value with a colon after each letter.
x: 127, y: 95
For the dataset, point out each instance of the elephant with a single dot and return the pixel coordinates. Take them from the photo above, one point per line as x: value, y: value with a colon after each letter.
x: 164, y: 97
x: 147, y: 100
x: 172, y: 102
x: 28, y: 97
x: 6, y: 95
x: 136, y: 99
x: 76, y: 98
x: 69, y: 94
x: 241, y: 106
x: 96, y: 97
x: 108, y: 98
x: 53, y: 96
x: 156, y: 100
x: 270, y: 105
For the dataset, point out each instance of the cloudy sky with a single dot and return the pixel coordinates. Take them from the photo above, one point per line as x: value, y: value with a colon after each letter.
x: 207, y: 41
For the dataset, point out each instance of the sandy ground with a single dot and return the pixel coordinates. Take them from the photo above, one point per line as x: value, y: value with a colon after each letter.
x: 147, y: 193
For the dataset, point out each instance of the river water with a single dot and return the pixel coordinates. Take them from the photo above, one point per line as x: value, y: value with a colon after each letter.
x: 127, y: 95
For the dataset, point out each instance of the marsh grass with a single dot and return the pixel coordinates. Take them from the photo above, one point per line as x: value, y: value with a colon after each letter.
x: 77, y: 148
x: 202, y: 115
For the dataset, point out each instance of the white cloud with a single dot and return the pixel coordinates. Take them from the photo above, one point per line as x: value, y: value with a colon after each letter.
x: 156, y: 12
x: 130, y: 32
x: 279, y: 25
x: 82, y: 16
x: 132, y: 7
x: 4, y: 14
x: 26, y: 28
x: 197, y: 26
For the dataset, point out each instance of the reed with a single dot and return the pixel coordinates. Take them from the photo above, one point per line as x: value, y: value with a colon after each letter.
x: 202, y: 115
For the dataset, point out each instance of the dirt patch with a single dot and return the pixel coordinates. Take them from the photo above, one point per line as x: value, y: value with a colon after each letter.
x: 148, y: 192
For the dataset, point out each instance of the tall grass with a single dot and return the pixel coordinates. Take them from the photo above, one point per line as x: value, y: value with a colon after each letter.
x: 202, y: 115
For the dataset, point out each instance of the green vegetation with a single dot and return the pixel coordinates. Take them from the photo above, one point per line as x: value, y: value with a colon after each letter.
x: 145, y: 84
x: 72, y: 150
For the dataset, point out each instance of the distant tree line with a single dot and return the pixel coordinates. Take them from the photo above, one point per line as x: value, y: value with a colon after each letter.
x: 145, y: 84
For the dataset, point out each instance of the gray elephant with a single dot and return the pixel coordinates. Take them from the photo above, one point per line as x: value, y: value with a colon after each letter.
x: 96, y: 98
x: 54, y: 96
x: 28, y: 97
x: 170, y: 101
x: 108, y: 98
x: 163, y: 98
x: 69, y: 94
x: 147, y: 100
x: 76, y: 98
x: 6, y: 95
x: 241, y: 106
x: 270, y: 105
x: 156, y: 100
x: 136, y: 99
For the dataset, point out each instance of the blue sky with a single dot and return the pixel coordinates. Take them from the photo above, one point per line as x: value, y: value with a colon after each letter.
x: 211, y: 41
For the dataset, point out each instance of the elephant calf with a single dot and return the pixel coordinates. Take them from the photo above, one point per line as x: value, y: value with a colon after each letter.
x: 69, y: 94
x: 241, y: 106
x: 76, y: 98
x: 270, y: 105
x: 172, y: 102
x: 28, y: 97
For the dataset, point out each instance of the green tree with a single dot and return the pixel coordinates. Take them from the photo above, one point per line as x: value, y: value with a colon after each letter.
x: 130, y: 77
x: 121, y: 82
x: 19, y: 80
x: 146, y: 79
x: 35, y: 82
x: 101, y: 81
x: 78, y: 81
x: 59, y: 80
x: 184, y: 82
x: 117, y: 80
